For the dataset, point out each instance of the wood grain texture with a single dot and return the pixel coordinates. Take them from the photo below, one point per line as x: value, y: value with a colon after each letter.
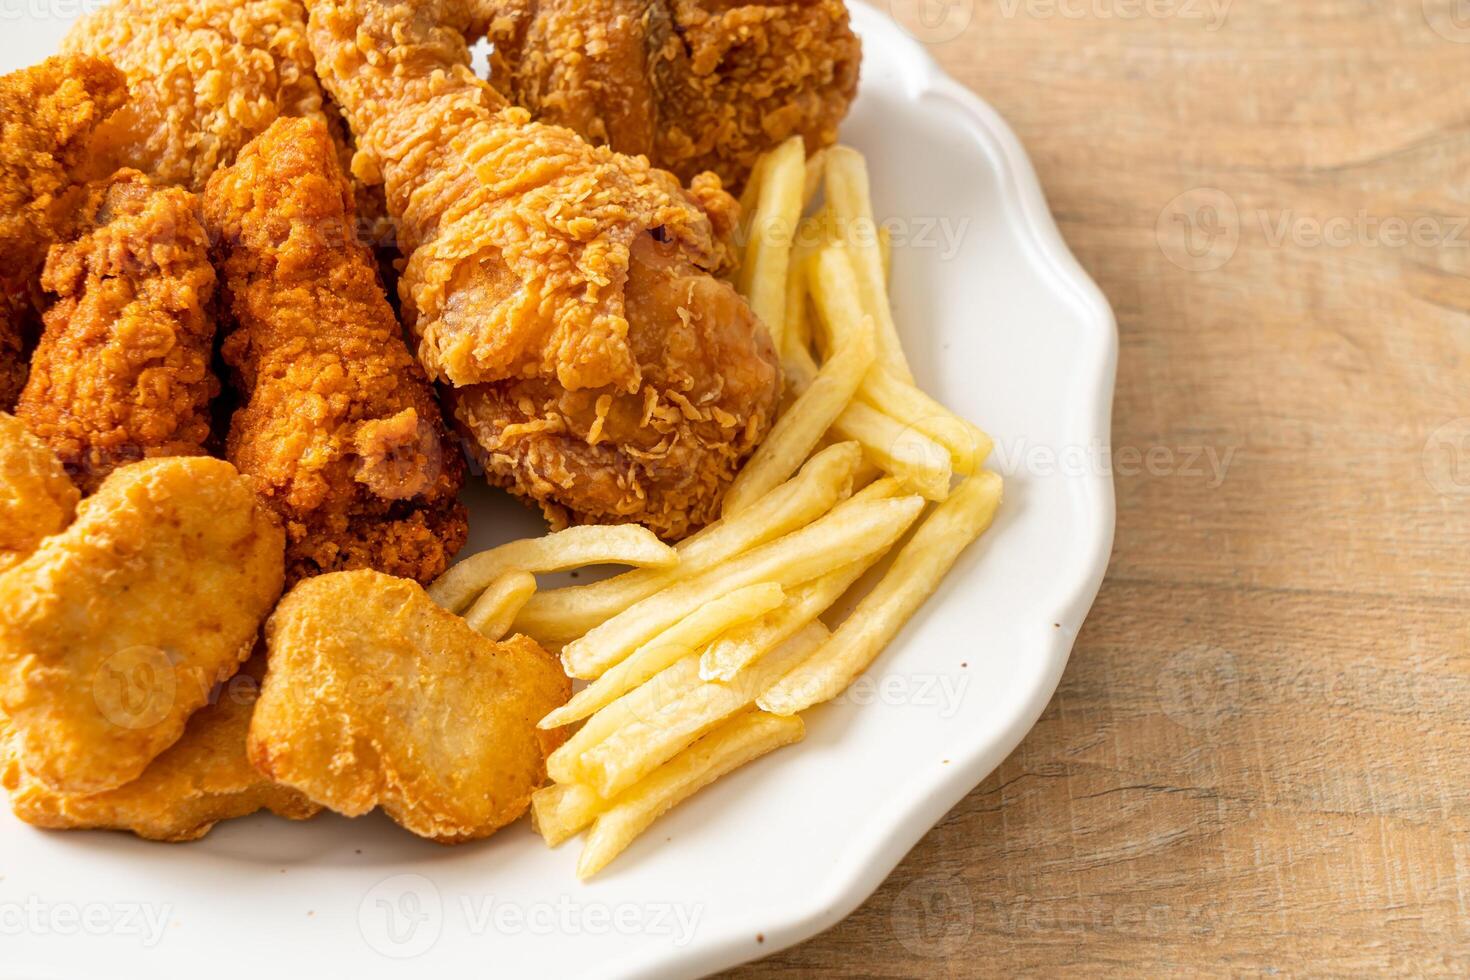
x: 1257, y: 760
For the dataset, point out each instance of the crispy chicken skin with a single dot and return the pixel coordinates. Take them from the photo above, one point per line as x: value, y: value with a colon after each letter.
x: 207, y: 76
x: 48, y: 115
x: 122, y: 371
x: 565, y: 291
x: 694, y: 85
x: 339, y: 428
x: 113, y: 632
x: 378, y: 697
x: 37, y: 498
x: 202, y: 779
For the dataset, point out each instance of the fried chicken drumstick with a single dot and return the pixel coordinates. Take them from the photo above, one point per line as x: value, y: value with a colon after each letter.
x: 206, y: 77
x: 48, y: 115
x: 339, y: 428
x: 693, y: 85
x: 565, y: 291
x: 122, y: 372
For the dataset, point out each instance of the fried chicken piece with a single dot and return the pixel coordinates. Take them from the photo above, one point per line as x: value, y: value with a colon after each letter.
x: 207, y: 76
x: 376, y: 696
x: 566, y: 291
x: 694, y: 85
x: 202, y: 779
x: 113, y: 632
x: 37, y: 498
x: 122, y: 371
x: 339, y: 427
x: 48, y: 114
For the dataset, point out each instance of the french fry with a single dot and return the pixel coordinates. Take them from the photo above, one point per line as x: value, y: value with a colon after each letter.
x: 768, y: 250
x: 816, y: 170
x: 845, y: 534
x: 850, y: 201
x: 638, y: 749
x: 749, y: 198
x: 727, y: 656
x: 919, y: 463
x: 565, y: 764
x: 912, y: 578
x: 622, y: 544
x: 562, y: 809
x: 492, y: 613
x: 923, y: 465
x: 967, y: 444
x: 723, y: 750
x: 678, y: 641
x: 557, y: 616
x: 799, y: 429
x: 885, y: 248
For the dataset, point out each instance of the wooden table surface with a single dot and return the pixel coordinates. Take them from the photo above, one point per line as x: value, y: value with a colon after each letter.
x: 1259, y: 757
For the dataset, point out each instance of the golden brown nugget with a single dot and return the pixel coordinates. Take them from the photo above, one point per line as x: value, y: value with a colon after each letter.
x: 37, y: 498
x: 113, y: 632
x: 202, y: 779
x: 376, y: 696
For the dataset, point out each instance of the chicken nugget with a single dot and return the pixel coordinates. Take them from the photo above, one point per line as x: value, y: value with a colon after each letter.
x: 202, y: 779
x: 376, y: 696
x: 37, y: 498
x: 113, y: 632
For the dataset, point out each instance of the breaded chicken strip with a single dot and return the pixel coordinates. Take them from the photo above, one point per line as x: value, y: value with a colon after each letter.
x: 564, y: 290
x: 113, y: 632
x: 202, y: 779
x: 48, y: 114
x: 207, y: 76
x: 376, y: 696
x: 339, y: 428
x: 37, y: 498
x: 122, y: 372
x: 694, y: 85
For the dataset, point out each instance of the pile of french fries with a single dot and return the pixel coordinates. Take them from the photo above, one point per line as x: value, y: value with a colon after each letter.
x: 701, y: 658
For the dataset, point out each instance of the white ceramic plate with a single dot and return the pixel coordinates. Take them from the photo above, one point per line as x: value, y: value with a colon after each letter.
x: 1002, y: 324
